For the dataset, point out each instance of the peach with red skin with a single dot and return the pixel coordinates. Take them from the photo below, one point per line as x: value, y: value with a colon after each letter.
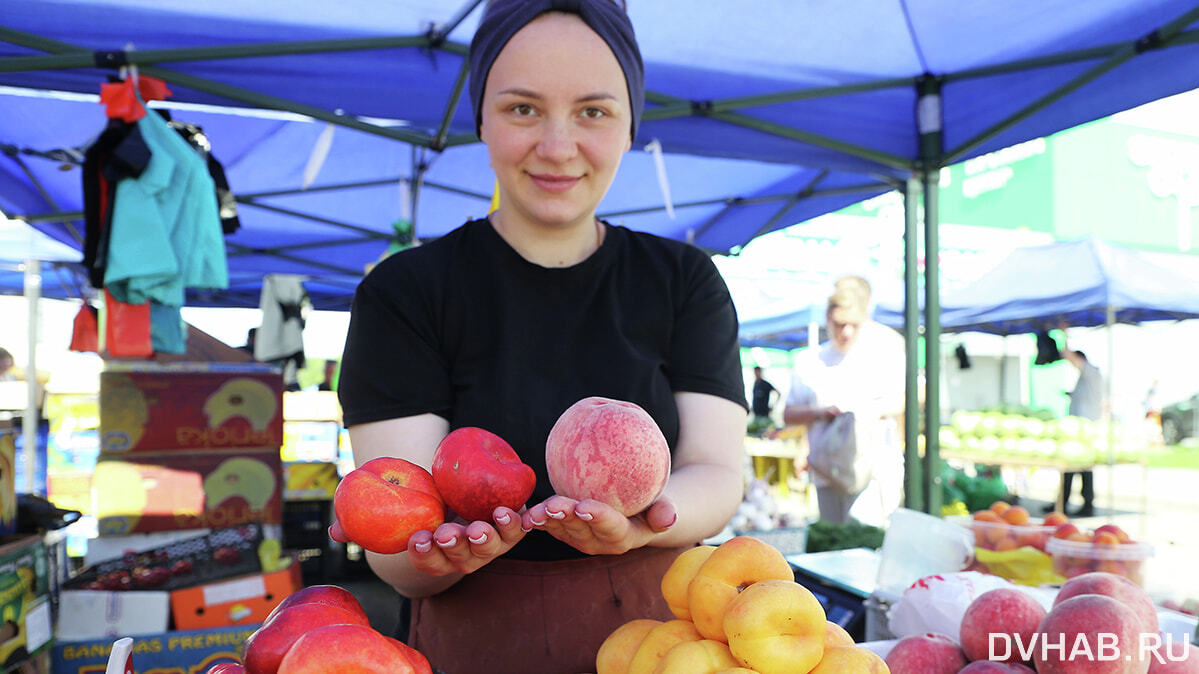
x: 1120, y: 534
x: 1085, y: 624
x: 264, y: 649
x: 420, y: 664
x: 1188, y: 664
x: 319, y: 594
x: 608, y: 450
x: 1065, y: 530
x: 928, y: 653
x: 384, y: 501
x: 476, y: 471
x: 1117, y: 587
x: 345, y: 649
x: 1000, y: 611
x: 990, y: 667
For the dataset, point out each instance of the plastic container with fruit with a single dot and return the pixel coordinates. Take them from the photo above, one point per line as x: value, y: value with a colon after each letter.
x: 1075, y: 557
x: 1010, y: 544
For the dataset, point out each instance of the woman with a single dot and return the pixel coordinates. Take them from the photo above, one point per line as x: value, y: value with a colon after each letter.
x: 505, y: 322
x: 860, y: 369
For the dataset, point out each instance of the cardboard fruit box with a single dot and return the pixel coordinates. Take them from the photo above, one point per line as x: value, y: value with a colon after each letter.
x: 237, y: 601
x: 8, y: 476
x: 144, y: 492
x: 157, y: 408
x: 186, y: 651
x: 24, y: 599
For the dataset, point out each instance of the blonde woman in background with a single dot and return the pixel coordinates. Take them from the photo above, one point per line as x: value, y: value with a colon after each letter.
x: 859, y: 369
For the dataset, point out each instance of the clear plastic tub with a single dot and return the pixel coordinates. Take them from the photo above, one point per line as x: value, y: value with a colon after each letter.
x: 1073, y: 558
x: 1012, y: 551
x: 1001, y: 536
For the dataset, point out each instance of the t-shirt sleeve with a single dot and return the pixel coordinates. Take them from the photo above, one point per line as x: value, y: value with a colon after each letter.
x: 392, y: 366
x: 705, y: 355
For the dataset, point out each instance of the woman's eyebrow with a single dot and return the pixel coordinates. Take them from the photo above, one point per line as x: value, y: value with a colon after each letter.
x: 528, y: 93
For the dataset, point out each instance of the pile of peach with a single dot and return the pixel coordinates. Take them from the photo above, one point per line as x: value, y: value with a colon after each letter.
x: 1008, y: 527
x: 318, y: 630
x: 738, y: 610
x: 1106, y: 622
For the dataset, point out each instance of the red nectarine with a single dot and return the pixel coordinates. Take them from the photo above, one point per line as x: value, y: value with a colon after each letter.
x: 476, y: 471
x: 386, y: 500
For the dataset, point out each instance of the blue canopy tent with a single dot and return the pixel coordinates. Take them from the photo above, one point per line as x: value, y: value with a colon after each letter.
x: 892, y: 90
x: 1084, y: 282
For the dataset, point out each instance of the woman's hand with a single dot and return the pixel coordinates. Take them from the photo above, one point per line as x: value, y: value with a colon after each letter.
x: 458, y: 547
x: 464, y: 547
x: 597, y: 528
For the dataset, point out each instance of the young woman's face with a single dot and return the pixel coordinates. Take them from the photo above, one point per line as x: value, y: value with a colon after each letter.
x: 556, y: 120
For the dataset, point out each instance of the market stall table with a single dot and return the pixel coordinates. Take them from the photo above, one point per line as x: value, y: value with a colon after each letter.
x: 841, y: 580
x: 1060, y: 465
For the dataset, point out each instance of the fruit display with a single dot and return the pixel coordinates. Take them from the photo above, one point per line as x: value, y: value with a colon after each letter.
x: 1096, y: 622
x: 322, y: 628
x: 608, y: 450
x: 1108, y: 549
x: 737, y: 609
x: 1074, y: 439
x: 1010, y: 544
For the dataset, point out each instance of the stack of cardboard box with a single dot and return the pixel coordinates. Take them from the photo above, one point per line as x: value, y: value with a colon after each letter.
x: 187, y: 495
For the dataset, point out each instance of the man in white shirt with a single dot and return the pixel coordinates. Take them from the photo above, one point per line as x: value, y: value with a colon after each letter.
x: 860, y: 369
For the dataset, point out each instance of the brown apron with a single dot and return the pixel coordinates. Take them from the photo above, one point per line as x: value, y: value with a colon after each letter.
x: 523, y: 617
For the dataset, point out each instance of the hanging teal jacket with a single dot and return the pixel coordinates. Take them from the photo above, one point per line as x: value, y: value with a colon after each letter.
x: 166, y: 229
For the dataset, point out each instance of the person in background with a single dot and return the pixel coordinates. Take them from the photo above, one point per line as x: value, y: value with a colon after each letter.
x: 251, y: 336
x: 764, y: 397
x: 859, y: 369
x: 6, y: 365
x: 1086, y: 401
x: 506, y: 321
x: 330, y: 375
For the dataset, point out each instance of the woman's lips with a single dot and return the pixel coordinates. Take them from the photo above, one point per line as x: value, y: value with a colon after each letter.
x: 553, y: 183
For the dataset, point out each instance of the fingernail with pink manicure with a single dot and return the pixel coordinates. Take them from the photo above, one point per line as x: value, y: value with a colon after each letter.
x: 423, y: 547
x: 586, y: 517
x: 556, y: 515
x: 478, y: 541
x: 503, y: 519
x: 449, y: 543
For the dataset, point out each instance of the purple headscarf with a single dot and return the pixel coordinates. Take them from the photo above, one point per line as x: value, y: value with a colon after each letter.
x: 503, y: 18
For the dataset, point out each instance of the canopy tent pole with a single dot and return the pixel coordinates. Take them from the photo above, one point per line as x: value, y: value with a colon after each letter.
x: 1109, y: 323
x: 929, y: 123
x: 29, y: 422
x: 913, y: 484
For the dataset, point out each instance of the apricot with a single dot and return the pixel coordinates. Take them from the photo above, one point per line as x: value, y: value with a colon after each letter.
x: 735, y: 565
x: 1017, y: 515
x: 1007, y: 543
x: 987, y: 516
x: 835, y: 635
x: 1120, y: 534
x: 776, y: 627
x: 843, y: 659
x: 696, y: 657
x: 737, y: 670
x: 1065, y: 530
x: 1105, y: 539
x: 1000, y: 507
x: 608, y: 450
x: 618, y: 649
x: 657, y: 641
x: 1054, y: 519
x: 678, y: 577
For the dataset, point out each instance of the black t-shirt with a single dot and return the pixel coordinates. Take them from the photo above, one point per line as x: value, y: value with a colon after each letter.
x: 466, y: 328
x: 762, y: 391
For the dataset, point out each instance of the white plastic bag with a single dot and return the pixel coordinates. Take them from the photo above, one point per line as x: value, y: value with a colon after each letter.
x: 845, y: 455
x: 937, y: 603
